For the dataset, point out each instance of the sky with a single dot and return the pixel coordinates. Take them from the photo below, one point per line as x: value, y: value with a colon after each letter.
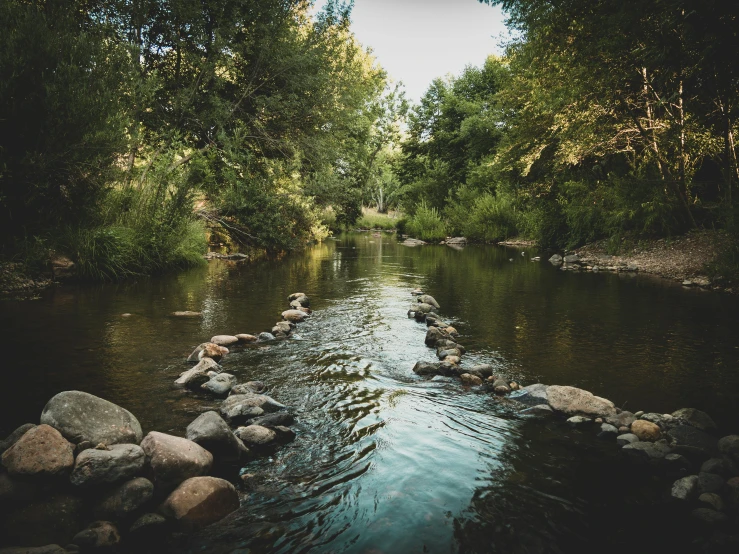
x: 419, y: 40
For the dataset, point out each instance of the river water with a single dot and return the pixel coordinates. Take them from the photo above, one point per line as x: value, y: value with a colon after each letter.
x: 384, y: 461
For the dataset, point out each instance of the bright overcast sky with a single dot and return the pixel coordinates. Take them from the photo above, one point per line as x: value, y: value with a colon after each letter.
x: 419, y: 40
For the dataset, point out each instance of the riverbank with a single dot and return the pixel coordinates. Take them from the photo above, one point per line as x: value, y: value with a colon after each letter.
x: 17, y: 280
x: 685, y: 259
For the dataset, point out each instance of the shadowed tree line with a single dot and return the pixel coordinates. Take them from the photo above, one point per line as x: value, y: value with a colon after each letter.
x: 603, y: 120
x: 127, y: 126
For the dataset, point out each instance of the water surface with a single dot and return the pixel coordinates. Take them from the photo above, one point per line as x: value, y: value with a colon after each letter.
x: 385, y: 461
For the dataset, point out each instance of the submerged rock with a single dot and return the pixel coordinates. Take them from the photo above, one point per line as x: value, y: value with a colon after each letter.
x: 556, y: 260
x: 40, y: 453
x: 266, y: 337
x: 80, y: 416
x: 249, y: 405
x: 200, y: 501
x: 646, y: 451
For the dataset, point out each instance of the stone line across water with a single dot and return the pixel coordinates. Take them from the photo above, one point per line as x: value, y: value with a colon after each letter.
x: 682, y: 448
x: 86, y: 477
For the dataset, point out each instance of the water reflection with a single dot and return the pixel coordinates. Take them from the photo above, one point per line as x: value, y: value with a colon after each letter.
x: 385, y: 462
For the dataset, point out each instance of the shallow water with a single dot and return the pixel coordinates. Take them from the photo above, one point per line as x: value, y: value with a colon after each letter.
x: 384, y: 461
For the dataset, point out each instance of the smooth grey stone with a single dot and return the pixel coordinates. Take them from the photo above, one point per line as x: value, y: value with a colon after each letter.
x: 685, y: 489
x: 695, y: 418
x: 626, y: 438
x: 576, y: 421
x: 118, y: 463
x: 540, y: 410
x: 710, y: 482
x: 124, y: 500
x: 211, y: 432
x: 711, y: 500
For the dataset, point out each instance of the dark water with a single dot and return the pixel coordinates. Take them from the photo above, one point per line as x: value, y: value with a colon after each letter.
x: 386, y: 462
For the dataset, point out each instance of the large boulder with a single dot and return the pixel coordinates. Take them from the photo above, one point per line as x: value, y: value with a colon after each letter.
x: 219, y: 385
x: 41, y: 452
x: 692, y: 442
x: 695, y: 418
x: 200, y: 501
x: 80, y: 416
x: 124, y: 500
x: 99, y: 535
x: 109, y: 465
x: 243, y: 405
x: 53, y: 520
x: 171, y: 459
x: 11, y: 439
x: 211, y: 432
x: 573, y: 401
x: 296, y: 316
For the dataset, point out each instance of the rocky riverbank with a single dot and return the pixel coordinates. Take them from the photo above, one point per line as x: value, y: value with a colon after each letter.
x: 684, y: 259
x: 693, y: 465
x: 85, y: 478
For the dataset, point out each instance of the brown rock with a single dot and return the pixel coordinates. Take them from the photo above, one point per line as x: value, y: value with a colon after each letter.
x: 187, y: 314
x: 645, y: 430
x: 470, y: 380
x: 296, y: 316
x: 171, y: 459
x: 571, y: 400
x: 207, y: 350
x: 200, y: 501
x: 224, y: 340
x: 243, y: 337
x: 40, y: 452
x: 256, y: 435
x: 295, y: 296
x: 456, y: 360
x: 451, y: 331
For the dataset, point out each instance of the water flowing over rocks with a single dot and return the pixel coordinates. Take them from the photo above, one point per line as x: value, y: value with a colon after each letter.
x: 80, y: 416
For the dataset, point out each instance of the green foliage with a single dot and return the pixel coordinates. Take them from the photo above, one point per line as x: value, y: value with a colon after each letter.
x: 371, y: 219
x: 492, y: 219
x: 426, y: 224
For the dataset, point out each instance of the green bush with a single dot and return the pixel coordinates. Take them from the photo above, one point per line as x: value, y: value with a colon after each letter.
x: 426, y: 224
x: 374, y: 220
x: 492, y: 218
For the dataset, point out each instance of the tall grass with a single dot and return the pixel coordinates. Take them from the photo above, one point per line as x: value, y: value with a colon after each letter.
x: 426, y: 224
x: 372, y: 219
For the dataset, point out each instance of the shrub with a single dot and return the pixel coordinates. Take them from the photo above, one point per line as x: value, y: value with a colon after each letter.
x: 426, y: 224
x: 492, y: 218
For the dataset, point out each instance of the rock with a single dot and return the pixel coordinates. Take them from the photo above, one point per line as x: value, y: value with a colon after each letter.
x: 729, y: 446
x: 211, y: 432
x: 685, y: 489
x: 200, y: 501
x: 482, y: 370
x: 296, y: 316
x: 243, y: 337
x: 195, y: 377
x: 540, y: 410
x: 571, y: 259
x: 626, y: 438
x: 638, y: 414
x: 710, y: 482
x: 599, y: 420
x: 434, y: 335
x: 450, y: 330
x: 295, y: 296
x: 147, y: 526
x: 709, y: 517
x: 470, y: 380
x: 732, y: 492
x: 577, y: 421
x: 62, y: 267
x: 239, y: 405
x: 571, y: 400
x: 693, y: 442
x: 645, y: 430
x: 207, y: 350
x: 456, y: 360
x: 187, y: 314
x: 53, y: 520
x: 624, y: 430
x: 556, y: 260
x: 219, y: 385
x: 430, y: 300
x: 283, y: 327
x: 171, y: 460
x: 532, y: 395
x: 623, y: 419
x: 224, y: 340
x: 96, y: 467
x: 98, y: 535
x: 124, y: 500
x: 607, y: 431
x: 41, y: 453
x: 720, y: 466
x: 677, y: 462
x: 424, y: 368
x: 11, y: 439
x: 80, y: 416
x: 265, y: 337
x: 423, y: 308
x: 646, y: 451
x: 413, y: 242
x: 282, y: 419
x: 500, y: 386
x: 256, y: 436
x: 695, y: 418
x: 284, y: 434
x: 251, y: 387
x: 658, y: 419
x: 513, y: 385
x: 15, y: 493
x: 444, y: 352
